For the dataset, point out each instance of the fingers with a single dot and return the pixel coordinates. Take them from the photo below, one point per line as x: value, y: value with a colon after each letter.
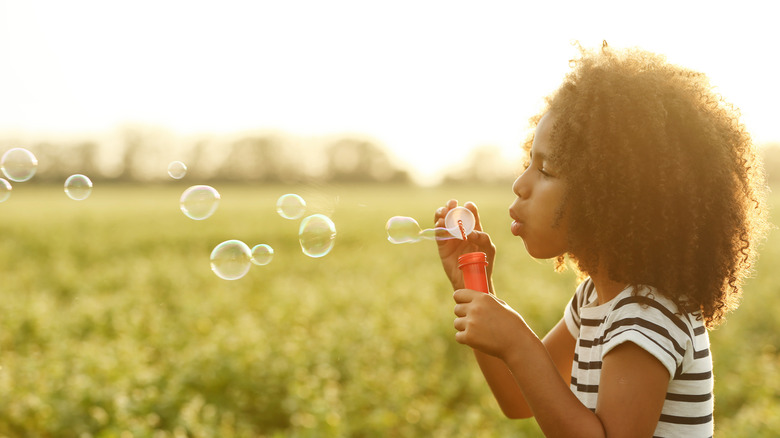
x: 479, y: 238
x: 474, y: 210
x: 462, y: 296
x: 459, y: 324
x: 441, y: 212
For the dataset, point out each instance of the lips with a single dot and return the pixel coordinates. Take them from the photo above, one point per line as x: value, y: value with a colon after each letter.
x: 516, y: 228
x: 517, y: 225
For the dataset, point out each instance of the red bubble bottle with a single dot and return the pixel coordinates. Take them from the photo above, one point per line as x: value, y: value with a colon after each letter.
x: 474, y: 268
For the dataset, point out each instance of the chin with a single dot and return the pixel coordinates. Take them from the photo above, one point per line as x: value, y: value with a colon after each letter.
x: 541, y: 253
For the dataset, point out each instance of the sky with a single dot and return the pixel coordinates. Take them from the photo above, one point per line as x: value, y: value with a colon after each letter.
x: 428, y: 80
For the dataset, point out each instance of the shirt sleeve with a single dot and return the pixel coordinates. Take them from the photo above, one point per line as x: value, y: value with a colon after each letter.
x: 653, y: 326
x: 571, y: 314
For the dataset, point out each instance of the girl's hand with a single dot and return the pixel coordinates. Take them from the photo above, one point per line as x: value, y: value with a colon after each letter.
x: 488, y: 324
x: 452, y: 248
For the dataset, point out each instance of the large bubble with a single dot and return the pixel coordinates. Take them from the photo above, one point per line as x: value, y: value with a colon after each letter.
x: 18, y: 164
x: 317, y: 234
x: 78, y: 187
x: 290, y: 206
x: 402, y: 229
x: 231, y: 259
x: 199, y: 202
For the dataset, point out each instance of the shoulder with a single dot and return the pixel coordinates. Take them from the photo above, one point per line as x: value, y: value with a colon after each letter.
x: 653, y: 322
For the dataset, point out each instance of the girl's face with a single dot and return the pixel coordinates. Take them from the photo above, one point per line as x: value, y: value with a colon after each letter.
x: 539, y: 192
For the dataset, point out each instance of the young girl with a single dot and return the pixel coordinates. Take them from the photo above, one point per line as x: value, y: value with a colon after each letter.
x: 646, y: 180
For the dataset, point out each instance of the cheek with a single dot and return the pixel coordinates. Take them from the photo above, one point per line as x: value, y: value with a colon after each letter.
x: 545, y: 245
x: 547, y: 239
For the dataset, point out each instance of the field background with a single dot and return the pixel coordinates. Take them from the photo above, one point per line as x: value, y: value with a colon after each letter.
x: 113, y: 325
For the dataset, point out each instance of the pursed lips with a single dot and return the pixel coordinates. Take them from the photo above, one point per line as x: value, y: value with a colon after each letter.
x: 517, y: 223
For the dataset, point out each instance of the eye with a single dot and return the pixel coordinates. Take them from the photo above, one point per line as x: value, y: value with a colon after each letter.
x: 544, y: 170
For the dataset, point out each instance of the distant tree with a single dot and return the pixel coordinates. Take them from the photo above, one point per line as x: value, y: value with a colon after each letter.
x: 257, y: 159
x: 142, y: 154
x: 484, y: 164
x: 57, y: 161
x: 352, y: 160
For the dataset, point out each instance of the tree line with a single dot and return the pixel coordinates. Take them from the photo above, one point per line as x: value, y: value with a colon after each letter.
x: 142, y: 154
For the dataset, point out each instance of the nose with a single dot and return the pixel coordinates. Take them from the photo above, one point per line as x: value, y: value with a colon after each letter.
x: 520, y: 187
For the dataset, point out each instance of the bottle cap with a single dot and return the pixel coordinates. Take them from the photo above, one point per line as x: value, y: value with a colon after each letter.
x: 472, y: 257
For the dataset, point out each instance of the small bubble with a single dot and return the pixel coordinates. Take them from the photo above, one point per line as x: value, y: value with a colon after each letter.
x: 199, y: 202
x: 290, y: 206
x: 231, y: 259
x: 78, y: 187
x: 317, y: 234
x: 262, y: 254
x: 5, y: 189
x: 177, y: 169
x: 18, y: 164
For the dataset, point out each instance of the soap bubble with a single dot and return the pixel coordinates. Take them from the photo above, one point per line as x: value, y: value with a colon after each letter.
x: 78, y: 187
x: 231, y: 259
x: 177, y: 169
x: 460, y: 217
x: 317, y: 234
x: 18, y: 165
x: 5, y: 189
x: 262, y: 254
x: 402, y: 229
x: 199, y: 202
x: 290, y: 206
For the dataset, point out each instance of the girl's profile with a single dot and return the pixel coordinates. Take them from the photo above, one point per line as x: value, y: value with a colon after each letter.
x: 643, y: 179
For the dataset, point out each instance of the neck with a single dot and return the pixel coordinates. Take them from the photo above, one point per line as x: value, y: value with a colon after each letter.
x: 606, y: 288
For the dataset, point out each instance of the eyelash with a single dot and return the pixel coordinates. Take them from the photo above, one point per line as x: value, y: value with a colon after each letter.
x: 527, y: 163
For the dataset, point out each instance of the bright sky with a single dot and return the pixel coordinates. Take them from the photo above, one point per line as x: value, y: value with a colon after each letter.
x: 429, y: 80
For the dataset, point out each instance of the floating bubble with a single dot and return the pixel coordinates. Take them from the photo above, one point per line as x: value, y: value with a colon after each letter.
x: 262, y: 254
x: 199, y: 202
x: 317, y: 234
x: 177, y: 169
x: 290, y: 206
x: 460, y: 222
x: 402, y: 229
x: 231, y: 259
x: 18, y: 164
x: 5, y: 189
x: 78, y: 187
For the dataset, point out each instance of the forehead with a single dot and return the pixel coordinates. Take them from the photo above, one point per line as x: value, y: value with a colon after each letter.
x: 541, y: 143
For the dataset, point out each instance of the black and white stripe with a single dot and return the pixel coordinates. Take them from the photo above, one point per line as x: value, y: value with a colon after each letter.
x: 644, y: 317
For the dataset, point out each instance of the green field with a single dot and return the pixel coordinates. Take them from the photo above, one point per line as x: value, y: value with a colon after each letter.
x: 113, y: 324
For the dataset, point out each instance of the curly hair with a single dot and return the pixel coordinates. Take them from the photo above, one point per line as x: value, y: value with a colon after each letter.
x: 664, y: 186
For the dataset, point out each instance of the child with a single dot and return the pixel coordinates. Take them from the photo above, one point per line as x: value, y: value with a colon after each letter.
x: 647, y: 181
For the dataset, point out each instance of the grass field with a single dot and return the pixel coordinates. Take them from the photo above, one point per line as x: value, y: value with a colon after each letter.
x: 113, y: 324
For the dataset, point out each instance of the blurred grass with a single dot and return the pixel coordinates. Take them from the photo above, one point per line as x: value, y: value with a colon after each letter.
x: 113, y: 324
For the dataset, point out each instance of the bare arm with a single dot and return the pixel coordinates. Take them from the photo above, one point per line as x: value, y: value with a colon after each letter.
x: 631, y: 394
x: 558, y: 342
x: 559, y: 345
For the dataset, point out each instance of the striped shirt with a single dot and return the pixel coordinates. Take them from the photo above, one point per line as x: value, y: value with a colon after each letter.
x: 679, y: 342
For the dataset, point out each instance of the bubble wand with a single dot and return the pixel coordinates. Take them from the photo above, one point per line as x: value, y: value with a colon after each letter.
x: 458, y: 224
x: 473, y: 264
